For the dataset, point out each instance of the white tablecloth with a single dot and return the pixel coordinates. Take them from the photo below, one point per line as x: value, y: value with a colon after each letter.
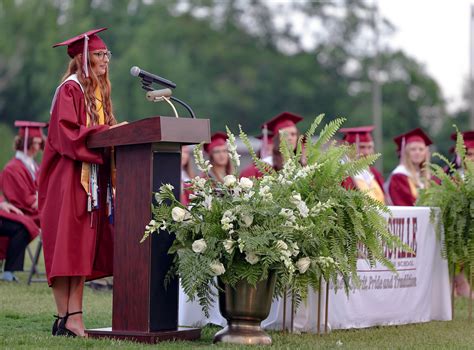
x: 419, y: 292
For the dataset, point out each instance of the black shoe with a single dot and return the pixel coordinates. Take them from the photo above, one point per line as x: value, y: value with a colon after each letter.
x: 62, y: 330
x: 54, y: 330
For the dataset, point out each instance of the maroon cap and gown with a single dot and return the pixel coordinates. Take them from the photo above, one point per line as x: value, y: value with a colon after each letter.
x: 400, y: 187
x: 77, y: 242
x: 274, y: 125
x: 19, y: 184
x: 354, y: 136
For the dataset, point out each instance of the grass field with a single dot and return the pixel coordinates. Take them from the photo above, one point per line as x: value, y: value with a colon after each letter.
x: 26, y: 319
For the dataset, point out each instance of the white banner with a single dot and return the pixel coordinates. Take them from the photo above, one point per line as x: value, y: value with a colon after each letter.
x: 418, y: 292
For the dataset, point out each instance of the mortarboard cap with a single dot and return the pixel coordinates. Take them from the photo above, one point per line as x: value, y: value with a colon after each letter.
x: 415, y: 135
x: 83, y: 43
x: 282, y: 120
x: 217, y: 139
x: 358, y: 134
x: 29, y: 129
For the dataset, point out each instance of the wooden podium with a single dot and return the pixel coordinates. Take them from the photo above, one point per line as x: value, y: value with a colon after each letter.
x: 148, y: 154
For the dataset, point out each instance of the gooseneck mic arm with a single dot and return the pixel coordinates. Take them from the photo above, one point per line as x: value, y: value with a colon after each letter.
x: 148, y: 79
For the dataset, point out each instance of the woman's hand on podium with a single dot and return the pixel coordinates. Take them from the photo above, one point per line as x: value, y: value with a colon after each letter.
x: 119, y: 124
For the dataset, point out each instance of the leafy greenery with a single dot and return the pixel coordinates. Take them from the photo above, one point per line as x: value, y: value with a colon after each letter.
x: 455, y: 199
x: 299, y: 222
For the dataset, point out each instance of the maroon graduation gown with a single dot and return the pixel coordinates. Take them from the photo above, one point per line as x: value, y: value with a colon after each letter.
x: 76, y: 242
x: 19, y: 188
x: 400, y: 192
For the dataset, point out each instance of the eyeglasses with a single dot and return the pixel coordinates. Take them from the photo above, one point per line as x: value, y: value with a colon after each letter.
x: 101, y: 55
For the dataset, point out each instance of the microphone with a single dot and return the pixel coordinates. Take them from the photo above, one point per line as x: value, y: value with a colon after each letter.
x: 157, y: 95
x: 137, y: 72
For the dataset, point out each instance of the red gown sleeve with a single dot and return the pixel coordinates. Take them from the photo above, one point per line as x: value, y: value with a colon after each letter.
x: 399, y: 190
x: 15, y: 189
x: 67, y: 129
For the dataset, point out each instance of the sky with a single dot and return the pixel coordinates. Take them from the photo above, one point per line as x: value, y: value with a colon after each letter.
x: 436, y: 33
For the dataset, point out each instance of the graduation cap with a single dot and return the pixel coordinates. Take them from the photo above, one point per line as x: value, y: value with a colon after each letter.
x: 217, y: 139
x: 282, y: 120
x: 358, y: 134
x: 29, y: 130
x: 468, y: 137
x: 415, y: 135
x: 83, y: 43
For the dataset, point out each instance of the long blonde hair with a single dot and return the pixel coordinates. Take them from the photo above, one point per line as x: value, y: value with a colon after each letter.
x: 422, y: 178
x: 90, y: 84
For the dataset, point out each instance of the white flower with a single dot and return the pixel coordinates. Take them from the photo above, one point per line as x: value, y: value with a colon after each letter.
x: 303, y: 264
x: 229, y: 245
x: 198, y: 182
x: 152, y: 223
x: 295, y: 249
x: 178, y: 214
x: 199, y: 246
x: 207, y: 202
x: 217, y: 268
x: 202, y: 165
x: 248, y: 196
x: 264, y: 192
x: 252, y: 258
x: 241, y: 245
x: 295, y: 198
x: 232, y: 147
x: 281, y: 245
x: 230, y: 180
x: 167, y: 186
x: 246, y: 183
x: 226, y: 220
x: 247, y: 219
x: 303, y: 209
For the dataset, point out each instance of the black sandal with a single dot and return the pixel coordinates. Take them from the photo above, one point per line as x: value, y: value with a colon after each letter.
x: 54, y: 330
x: 62, y: 330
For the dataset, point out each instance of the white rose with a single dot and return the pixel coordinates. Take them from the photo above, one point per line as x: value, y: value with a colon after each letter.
x: 247, y: 220
x: 152, y: 223
x: 246, y: 183
x: 252, y: 258
x: 199, y: 246
x: 229, y: 180
x: 281, y: 245
x: 178, y: 214
x: 217, y: 268
x: 303, y: 264
x: 229, y: 245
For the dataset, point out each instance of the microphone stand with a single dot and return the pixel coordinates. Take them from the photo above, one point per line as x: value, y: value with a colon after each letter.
x: 146, y: 85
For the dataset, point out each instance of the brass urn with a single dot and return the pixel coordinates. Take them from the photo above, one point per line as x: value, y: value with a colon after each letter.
x: 245, y: 307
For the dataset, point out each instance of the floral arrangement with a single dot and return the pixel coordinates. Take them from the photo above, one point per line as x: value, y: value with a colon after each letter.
x: 298, y: 223
x: 454, y: 197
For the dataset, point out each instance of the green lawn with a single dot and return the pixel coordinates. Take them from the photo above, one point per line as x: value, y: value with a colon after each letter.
x: 26, y: 319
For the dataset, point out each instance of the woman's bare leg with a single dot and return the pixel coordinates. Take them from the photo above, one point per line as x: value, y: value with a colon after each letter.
x: 76, y: 290
x: 60, y: 288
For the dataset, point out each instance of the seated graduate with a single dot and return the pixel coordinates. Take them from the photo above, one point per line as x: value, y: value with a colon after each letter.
x: 219, y: 156
x: 412, y: 174
x: 20, y: 174
x: 370, y: 180
x: 19, y: 179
